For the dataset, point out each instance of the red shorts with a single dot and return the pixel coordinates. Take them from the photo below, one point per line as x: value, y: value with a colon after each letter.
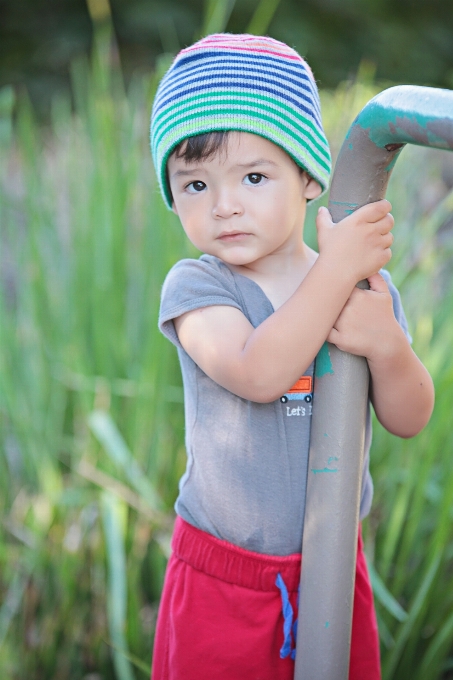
x: 221, y: 614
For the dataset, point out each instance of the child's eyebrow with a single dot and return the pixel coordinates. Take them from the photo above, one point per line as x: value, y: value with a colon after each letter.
x: 183, y: 173
x: 251, y: 164
x: 254, y: 164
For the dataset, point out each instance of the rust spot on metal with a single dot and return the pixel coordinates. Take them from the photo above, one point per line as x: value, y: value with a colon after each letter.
x: 392, y: 128
x: 393, y: 147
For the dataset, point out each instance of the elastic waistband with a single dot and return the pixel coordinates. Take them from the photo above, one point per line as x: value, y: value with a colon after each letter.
x: 229, y: 563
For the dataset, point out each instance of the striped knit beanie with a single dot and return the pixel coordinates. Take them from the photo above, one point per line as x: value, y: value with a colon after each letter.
x: 246, y: 83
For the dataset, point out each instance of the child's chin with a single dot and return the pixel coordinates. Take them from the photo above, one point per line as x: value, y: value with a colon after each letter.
x: 237, y: 259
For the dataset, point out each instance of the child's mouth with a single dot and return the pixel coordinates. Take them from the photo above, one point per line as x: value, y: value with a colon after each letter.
x: 231, y: 236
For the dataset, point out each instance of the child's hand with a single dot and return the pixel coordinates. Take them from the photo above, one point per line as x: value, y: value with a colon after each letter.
x: 359, y: 245
x: 401, y: 388
x: 367, y: 325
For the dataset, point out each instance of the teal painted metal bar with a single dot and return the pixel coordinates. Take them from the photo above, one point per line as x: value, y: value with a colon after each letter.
x: 398, y: 116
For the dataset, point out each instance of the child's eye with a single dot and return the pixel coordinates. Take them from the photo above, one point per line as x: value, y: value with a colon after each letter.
x: 195, y: 187
x: 254, y: 178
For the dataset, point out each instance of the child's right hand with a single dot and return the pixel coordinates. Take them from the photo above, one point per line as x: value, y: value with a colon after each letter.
x: 358, y: 245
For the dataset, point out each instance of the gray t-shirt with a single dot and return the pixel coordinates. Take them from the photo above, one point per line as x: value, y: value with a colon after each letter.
x: 246, y: 474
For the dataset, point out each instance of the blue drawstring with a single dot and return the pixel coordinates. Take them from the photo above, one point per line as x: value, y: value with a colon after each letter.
x: 287, y: 612
x: 288, y: 625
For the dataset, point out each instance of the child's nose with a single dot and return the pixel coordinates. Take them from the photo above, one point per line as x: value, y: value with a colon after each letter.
x: 226, y: 204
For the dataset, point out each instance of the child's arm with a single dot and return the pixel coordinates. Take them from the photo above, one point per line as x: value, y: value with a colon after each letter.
x: 401, y: 388
x: 261, y: 363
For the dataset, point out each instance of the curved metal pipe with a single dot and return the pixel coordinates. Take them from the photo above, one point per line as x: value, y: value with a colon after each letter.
x: 398, y: 116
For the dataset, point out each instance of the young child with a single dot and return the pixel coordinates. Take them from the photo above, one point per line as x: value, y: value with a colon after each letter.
x: 239, y: 149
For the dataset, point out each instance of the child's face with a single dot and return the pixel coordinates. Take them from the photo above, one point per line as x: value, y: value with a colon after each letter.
x: 246, y: 202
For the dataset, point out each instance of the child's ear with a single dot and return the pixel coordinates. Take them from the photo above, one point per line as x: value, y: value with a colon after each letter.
x: 312, y: 188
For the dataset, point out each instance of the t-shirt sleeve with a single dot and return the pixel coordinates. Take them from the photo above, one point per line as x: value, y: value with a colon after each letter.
x: 397, y: 304
x: 192, y: 284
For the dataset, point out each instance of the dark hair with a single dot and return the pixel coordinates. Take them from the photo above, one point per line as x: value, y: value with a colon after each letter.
x: 200, y: 147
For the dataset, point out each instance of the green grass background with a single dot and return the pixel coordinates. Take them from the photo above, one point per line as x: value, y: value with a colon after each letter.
x: 91, y: 412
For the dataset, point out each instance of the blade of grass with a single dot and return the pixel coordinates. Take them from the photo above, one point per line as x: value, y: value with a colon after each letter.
x: 109, y: 436
x: 436, y: 546
x: 138, y: 663
x: 391, y: 662
x: 114, y: 517
x: 395, y: 526
x: 385, y: 635
x: 384, y: 596
x: 12, y: 601
x: 216, y: 16
x: 123, y: 492
x: 434, y: 657
x: 262, y: 17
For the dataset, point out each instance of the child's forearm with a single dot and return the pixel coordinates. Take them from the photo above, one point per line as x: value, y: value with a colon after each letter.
x: 261, y: 363
x: 280, y: 349
x: 402, y: 391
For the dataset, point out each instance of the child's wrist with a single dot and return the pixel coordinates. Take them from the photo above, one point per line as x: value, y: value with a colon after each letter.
x: 391, y: 352
x: 335, y: 270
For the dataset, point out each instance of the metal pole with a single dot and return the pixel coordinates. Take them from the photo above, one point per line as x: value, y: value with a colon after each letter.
x: 398, y: 116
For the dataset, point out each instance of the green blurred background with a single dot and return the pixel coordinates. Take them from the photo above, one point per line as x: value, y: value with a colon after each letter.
x: 409, y: 41
x: 91, y: 412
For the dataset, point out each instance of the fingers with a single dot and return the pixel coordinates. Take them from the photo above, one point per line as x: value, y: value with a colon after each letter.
x: 383, y: 206
x: 388, y: 239
x: 377, y: 210
x: 323, y: 219
x: 385, y: 224
x: 378, y: 283
x: 363, y: 238
x: 377, y: 213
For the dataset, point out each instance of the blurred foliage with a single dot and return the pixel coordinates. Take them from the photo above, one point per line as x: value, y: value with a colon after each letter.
x: 408, y: 41
x: 91, y: 413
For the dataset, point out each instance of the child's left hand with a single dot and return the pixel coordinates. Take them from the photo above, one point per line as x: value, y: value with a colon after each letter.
x: 367, y: 325
x: 401, y: 388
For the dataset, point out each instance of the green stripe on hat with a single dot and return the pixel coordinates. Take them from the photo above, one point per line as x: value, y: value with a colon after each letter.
x: 242, y: 103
